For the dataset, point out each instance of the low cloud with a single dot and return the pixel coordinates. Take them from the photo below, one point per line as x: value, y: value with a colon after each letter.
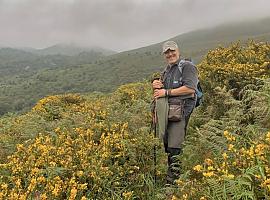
x: 118, y: 24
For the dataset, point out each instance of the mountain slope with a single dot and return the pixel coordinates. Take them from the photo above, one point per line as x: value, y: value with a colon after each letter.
x: 106, y: 73
x: 69, y: 50
x: 17, y: 61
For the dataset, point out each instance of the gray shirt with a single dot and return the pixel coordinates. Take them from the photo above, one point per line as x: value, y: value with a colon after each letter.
x: 172, y: 78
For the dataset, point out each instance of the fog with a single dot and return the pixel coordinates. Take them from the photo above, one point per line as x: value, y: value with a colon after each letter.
x: 115, y: 24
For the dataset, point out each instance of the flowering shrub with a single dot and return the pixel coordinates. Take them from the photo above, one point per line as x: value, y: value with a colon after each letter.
x: 235, y: 66
x: 242, y: 172
x: 73, y: 165
x: 86, y: 154
x: 52, y: 106
x: 132, y: 92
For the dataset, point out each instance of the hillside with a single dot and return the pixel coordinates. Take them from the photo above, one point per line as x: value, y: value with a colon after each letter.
x: 61, y: 74
x: 15, y: 61
x: 69, y: 50
x: 100, y: 146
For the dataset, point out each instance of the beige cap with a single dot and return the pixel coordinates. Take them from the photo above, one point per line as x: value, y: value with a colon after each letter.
x: 169, y: 45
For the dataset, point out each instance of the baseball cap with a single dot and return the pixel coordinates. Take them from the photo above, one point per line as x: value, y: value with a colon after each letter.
x: 169, y: 45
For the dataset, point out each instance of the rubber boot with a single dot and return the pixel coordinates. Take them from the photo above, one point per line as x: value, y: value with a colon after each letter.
x: 173, y: 166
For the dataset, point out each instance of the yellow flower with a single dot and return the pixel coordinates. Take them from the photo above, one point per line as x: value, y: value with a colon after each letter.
x: 43, y: 197
x: 56, y: 190
x: 197, y: 168
x: 34, y: 170
x: 73, y: 193
x: 259, y: 150
x: 18, y: 182
x: 82, y: 186
x: 179, y: 182
x: 4, y: 186
x: 228, y: 136
x: 225, y: 133
x: 258, y: 176
x: 208, y: 161
x: 185, y: 196
x: 20, y: 147
x: 127, y: 194
x: 266, y: 183
x: 250, y: 152
x: 41, y: 179
x: 208, y: 174
x: 174, y: 198
x: 225, y: 156
x: 57, y: 129
x: 23, y: 197
x: 230, y: 176
x: 230, y: 147
x: 268, y: 136
x: 79, y: 173
x: 32, y: 184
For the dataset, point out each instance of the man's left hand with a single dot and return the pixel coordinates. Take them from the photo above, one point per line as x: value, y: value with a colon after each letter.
x: 159, y: 93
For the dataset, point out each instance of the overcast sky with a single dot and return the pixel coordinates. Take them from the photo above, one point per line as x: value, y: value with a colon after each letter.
x: 115, y: 24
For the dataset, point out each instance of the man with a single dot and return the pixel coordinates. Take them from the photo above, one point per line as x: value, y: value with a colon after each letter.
x: 178, y: 87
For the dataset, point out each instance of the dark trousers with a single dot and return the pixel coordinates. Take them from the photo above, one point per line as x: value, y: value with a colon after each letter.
x: 173, y: 163
x: 189, y: 105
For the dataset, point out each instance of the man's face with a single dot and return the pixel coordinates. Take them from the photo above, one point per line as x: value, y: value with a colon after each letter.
x: 172, y: 56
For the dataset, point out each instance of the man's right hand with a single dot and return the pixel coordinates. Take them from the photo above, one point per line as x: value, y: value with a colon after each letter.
x: 157, y: 84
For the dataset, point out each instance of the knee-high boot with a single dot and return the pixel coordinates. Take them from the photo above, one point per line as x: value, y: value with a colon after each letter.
x: 173, y: 165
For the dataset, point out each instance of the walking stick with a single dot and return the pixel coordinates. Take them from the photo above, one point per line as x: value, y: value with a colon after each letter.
x: 155, y: 145
x: 154, y: 126
x: 154, y: 123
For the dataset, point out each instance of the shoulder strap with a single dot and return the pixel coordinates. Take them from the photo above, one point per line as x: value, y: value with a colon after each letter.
x: 180, y: 64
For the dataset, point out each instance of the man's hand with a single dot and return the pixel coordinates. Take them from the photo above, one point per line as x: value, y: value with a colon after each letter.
x: 157, y: 84
x: 159, y: 93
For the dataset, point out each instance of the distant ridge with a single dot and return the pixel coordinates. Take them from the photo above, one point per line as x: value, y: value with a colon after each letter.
x: 68, y: 50
x: 197, y: 43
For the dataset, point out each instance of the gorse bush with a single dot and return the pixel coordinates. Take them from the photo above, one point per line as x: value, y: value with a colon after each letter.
x: 241, y: 172
x: 74, y: 164
x: 52, y: 106
x: 85, y: 155
x: 228, y: 156
x: 236, y: 65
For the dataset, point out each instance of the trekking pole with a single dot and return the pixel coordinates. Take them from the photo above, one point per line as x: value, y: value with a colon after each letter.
x: 155, y: 146
x: 154, y: 123
x: 154, y: 126
x: 155, y: 160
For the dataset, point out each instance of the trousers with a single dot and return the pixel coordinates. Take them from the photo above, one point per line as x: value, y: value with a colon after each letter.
x: 176, y: 131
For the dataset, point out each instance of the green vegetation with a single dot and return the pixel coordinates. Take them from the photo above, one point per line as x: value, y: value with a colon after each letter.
x: 98, y: 145
x: 69, y: 50
x: 26, y: 77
